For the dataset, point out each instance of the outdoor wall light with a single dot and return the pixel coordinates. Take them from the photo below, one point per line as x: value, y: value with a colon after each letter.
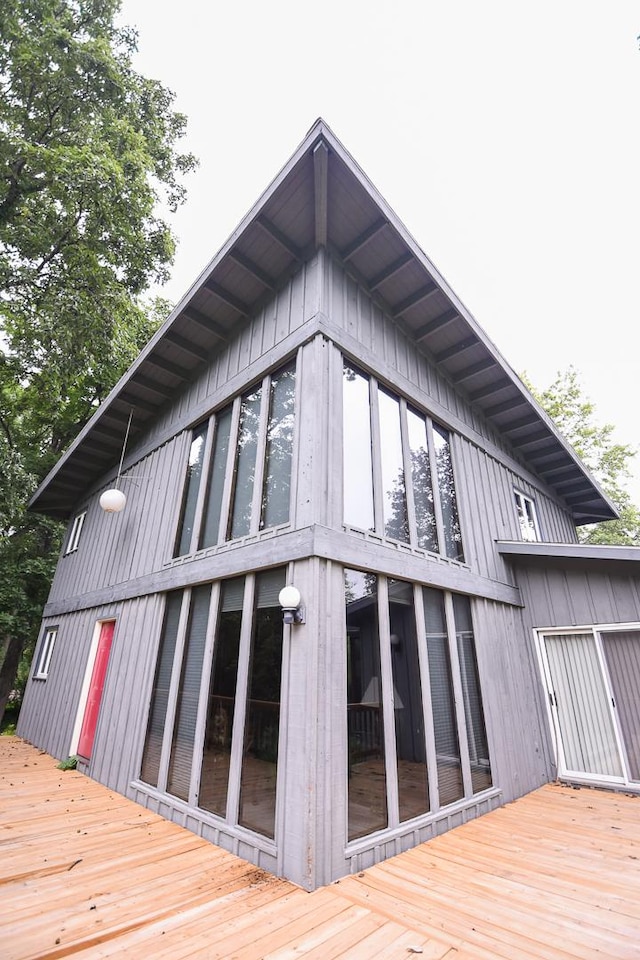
x: 112, y: 501
x: 289, y: 599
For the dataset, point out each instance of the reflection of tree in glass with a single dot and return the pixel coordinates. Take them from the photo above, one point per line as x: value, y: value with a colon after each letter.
x: 277, y: 469
x: 244, y: 473
x: 398, y: 525
x: 447, y: 493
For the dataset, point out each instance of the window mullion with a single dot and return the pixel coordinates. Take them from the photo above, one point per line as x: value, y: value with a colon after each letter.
x: 240, y: 712
x: 198, y: 745
x: 229, y: 480
x: 174, y: 684
x: 261, y: 445
x: 427, y: 706
x: 376, y: 458
x: 435, y: 486
x: 458, y: 695
x: 388, y: 706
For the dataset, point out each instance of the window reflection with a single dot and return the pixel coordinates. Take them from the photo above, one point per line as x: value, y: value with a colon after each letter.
x: 413, y: 788
x: 194, y: 474
x: 245, y: 466
x: 367, y: 807
x: 277, y: 471
x: 396, y: 521
x: 358, y: 476
x: 473, y: 710
x: 427, y: 532
x: 214, y: 779
x: 447, y: 493
x: 217, y: 471
x: 262, y: 724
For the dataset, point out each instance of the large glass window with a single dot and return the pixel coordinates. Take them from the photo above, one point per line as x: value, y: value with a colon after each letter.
x: 195, y: 749
x: 407, y: 492
x: 367, y: 777
x: 252, y: 442
x: 402, y: 673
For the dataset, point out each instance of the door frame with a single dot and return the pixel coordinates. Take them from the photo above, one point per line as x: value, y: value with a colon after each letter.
x: 596, y: 630
x: 86, y: 682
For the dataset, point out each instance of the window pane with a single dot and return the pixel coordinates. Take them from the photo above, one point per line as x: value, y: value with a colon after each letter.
x: 189, y: 694
x: 358, y: 476
x: 214, y: 779
x: 260, y: 753
x: 447, y: 492
x: 160, y: 694
x: 192, y: 486
x: 413, y: 790
x: 217, y: 473
x: 393, y: 489
x: 427, y: 533
x: 473, y: 711
x: 449, y: 768
x: 245, y: 464
x: 526, y: 517
x: 277, y: 470
x: 367, y: 776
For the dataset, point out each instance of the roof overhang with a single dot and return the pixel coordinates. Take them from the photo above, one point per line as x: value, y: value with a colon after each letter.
x: 567, y: 551
x: 321, y: 198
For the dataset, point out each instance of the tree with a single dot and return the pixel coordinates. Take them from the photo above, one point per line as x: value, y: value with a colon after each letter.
x: 575, y: 416
x: 88, y: 151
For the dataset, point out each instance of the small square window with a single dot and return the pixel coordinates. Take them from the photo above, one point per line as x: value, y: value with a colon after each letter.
x: 74, y: 536
x: 46, y: 651
x: 527, y: 517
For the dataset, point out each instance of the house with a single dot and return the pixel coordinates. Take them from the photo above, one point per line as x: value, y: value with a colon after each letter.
x: 320, y: 412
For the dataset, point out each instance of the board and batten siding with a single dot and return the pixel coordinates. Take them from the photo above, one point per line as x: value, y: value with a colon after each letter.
x: 578, y: 593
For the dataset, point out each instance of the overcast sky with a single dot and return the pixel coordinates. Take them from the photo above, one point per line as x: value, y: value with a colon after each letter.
x: 505, y: 135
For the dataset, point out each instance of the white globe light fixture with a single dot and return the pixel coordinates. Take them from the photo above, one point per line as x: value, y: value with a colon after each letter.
x: 289, y: 599
x: 112, y: 501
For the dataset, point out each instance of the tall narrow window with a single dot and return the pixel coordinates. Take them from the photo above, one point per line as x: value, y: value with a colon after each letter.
x: 473, y: 710
x: 160, y: 694
x: 447, y: 493
x: 413, y: 787
x: 262, y: 724
x: 449, y: 766
x: 279, y: 449
x: 217, y: 472
x: 74, y: 535
x: 244, y: 473
x: 358, y: 471
x: 189, y: 694
x: 426, y: 530
x: 45, y: 654
x: 396, y: 523
x: 367, y: 810
x: 192, y: 486
x: 221, y: 704
x: 526, y: 516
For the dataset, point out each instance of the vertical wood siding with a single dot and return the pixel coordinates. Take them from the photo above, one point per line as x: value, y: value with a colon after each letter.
x: 577, y: 595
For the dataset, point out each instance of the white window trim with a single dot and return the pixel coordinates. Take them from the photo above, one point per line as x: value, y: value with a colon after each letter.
x: 76, y: 530
x: 522, y: 514
x: 46, y: 652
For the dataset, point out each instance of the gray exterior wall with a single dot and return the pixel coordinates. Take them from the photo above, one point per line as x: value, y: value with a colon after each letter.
x: 124, y: 565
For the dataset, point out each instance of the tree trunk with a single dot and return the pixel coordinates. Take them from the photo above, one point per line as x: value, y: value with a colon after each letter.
x: 9, y: 670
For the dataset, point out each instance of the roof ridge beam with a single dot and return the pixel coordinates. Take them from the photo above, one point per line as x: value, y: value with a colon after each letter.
x: 321, y: 191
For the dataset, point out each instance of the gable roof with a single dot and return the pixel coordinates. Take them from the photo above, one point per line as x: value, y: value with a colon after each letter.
x: 321, y: 197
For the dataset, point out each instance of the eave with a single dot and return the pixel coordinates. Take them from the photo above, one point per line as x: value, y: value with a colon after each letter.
x: 321, y: 198
x: 567, y: 551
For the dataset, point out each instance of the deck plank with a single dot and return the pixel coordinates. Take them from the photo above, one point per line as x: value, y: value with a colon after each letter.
x: 87, y: 873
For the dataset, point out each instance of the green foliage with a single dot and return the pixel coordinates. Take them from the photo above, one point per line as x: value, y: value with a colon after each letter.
x: 88, y: 152
x: 69, y: 764
x: 575, y: 416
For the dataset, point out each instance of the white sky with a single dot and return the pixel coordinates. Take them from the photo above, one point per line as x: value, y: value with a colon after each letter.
x: 504, y: 134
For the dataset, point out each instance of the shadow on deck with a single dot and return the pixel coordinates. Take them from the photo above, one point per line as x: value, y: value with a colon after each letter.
x: 87, y: 873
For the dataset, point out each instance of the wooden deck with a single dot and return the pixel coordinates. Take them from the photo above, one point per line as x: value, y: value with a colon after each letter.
x: 86, y: 873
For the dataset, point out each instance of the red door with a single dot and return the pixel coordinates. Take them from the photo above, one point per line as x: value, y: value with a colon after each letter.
x: 92, y: 709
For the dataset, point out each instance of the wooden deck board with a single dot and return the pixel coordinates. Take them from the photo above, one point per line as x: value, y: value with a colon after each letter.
x: 89, y: 874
